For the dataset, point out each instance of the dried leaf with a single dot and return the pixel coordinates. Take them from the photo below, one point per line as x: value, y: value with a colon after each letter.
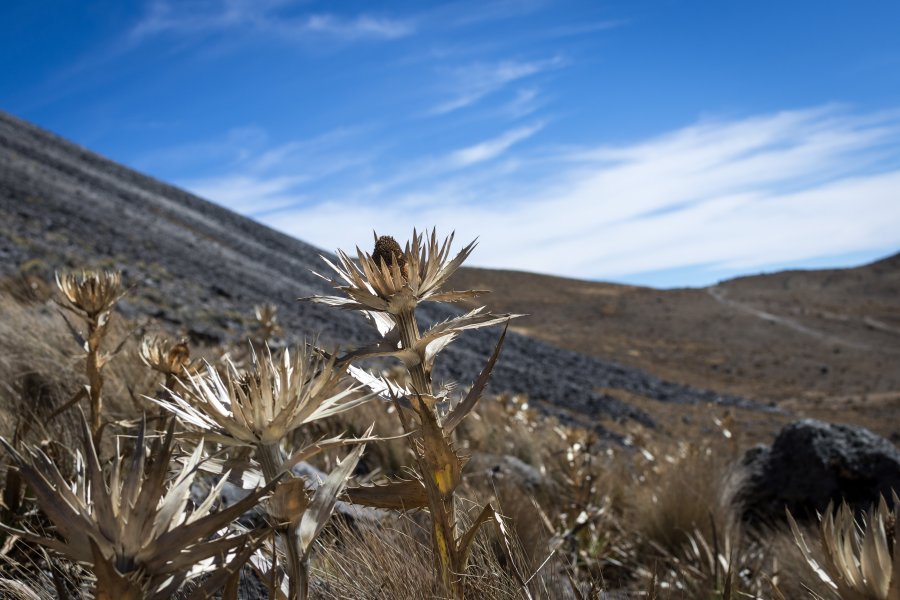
x: 227, y: 575
x: 462, y: 409
x: 440, y: 461
x: 465, y: 542
x: 323, y: 501
x: 396, y: 495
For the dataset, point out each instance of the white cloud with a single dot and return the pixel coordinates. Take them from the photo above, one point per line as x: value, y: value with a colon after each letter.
x: 360, y: 27
x: 728, y: 195
x: 472, y: 83
x: 262, y: 16
x: 526, y: 101
x: 492, y: 148
x: 249, y: 194
x: 234, y: 146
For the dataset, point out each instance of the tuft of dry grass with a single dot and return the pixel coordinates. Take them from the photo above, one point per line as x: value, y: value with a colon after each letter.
x: 393, y: 560
x: 684, y: 488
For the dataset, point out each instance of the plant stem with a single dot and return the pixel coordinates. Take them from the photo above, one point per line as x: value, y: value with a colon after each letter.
x: 271, y: 461
x: 409, y: 335
x: 93, y: 364
x: 443, y: 511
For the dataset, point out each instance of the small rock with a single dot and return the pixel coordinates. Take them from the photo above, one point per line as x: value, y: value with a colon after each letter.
x: 506, y: 467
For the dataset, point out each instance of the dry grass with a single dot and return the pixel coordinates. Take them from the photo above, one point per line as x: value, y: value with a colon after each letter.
x: 393, y: 560
x: 655, y: 518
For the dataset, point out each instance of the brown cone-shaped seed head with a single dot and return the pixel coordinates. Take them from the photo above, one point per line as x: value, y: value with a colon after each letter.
x: 388, y: 252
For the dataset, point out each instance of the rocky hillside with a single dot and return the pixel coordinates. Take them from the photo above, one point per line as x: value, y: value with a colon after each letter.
x: 200, y: 269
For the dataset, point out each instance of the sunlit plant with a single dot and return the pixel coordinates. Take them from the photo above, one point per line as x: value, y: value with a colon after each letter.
x: 133, y: 529
x: 386, y: 287
x: 259, y: 410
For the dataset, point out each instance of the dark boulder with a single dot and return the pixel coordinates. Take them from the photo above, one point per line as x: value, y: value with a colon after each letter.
x: 814, y: 462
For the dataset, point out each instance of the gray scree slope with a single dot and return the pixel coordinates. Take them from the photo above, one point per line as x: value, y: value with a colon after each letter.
x: 201, y: 267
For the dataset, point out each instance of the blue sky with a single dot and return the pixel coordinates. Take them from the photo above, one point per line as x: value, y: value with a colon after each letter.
x: 661, y: 143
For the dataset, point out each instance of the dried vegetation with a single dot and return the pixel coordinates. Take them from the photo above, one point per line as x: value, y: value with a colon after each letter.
x: 133, y: 470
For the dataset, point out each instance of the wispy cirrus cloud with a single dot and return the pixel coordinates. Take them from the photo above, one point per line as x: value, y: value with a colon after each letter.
x: 525, y: 102
x: 471, y: 83
x: 712, y: 198
x: 251, y: 194
x: 364, y: 26
x: 231, y: 148
x: 492, y: 148
x: 274, y: 17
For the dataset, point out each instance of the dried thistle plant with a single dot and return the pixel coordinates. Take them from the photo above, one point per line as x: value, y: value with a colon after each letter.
x: 259, y: 410
x: 386, y: 287
x: 133, y: 529
x: 173, y: 361
x: 266, y: 326
x: 862, y: 561
x: 92, y: 295
x: 167, y: 358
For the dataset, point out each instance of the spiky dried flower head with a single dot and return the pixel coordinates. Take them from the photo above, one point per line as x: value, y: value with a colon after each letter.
x: 266, y: 314
x: 165, y: 357
x: 91, y: 292
x: 392, y: 280
x: 267, y: 325
x: 276, y: 396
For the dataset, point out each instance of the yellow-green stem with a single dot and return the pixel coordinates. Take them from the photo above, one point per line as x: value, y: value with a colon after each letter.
x: 443, y: 538
x: 443, y: 513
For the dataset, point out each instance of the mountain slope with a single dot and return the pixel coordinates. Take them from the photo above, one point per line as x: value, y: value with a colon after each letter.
x: 788, y: 335
x: 202, y: 268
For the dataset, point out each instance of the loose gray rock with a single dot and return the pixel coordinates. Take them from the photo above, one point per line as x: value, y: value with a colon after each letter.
x: 812, y: 463
x: 505, y: 467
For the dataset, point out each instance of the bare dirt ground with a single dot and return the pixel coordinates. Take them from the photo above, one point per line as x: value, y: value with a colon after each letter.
x: 820, y: 343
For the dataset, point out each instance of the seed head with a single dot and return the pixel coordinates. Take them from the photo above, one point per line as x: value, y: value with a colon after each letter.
x: 267, y: 325
x: 388, y: 252
x: 91, y: 292
x: 162, y: 356
x: 391, y: 280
